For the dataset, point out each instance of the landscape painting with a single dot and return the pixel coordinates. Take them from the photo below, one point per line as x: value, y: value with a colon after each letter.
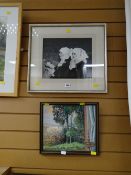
x: 3, y: 34
x: 68, y: 127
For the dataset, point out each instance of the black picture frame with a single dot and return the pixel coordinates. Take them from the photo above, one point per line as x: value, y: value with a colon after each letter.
x: 69, y: 128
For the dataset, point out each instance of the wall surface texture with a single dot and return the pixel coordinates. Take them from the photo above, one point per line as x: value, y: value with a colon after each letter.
x: 19, y: 117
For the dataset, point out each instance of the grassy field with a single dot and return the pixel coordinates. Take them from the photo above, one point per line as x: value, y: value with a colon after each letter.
x: 75, y: 146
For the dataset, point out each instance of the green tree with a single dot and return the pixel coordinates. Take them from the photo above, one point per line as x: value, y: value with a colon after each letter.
x: 71, y: 133
x: 3, y: 33
x: 62, y: 113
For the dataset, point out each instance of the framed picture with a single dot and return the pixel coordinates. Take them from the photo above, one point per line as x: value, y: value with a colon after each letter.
x: 67, y: 58
x: 69, y: 128
x: 10, y: 31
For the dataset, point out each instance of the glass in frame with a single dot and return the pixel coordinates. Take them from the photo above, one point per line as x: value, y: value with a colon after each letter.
x: 10, y: 32
x: 69, y: 128
x: 67, y: 58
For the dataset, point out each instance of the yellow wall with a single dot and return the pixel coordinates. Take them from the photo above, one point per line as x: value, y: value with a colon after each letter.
x: 19, y: 117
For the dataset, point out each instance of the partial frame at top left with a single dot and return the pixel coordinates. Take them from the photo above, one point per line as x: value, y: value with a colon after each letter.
x: 10, y: 36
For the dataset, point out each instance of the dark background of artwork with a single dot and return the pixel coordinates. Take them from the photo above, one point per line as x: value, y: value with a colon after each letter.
x: 51, y: 47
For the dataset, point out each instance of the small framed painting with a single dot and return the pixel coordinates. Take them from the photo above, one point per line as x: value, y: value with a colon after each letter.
x: 67, y: 58
x: 69, y: 128
x: 10, y: 31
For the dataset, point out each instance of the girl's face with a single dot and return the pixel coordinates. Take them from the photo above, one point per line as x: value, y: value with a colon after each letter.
x: 74, y: 55
x: 63, y: 56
